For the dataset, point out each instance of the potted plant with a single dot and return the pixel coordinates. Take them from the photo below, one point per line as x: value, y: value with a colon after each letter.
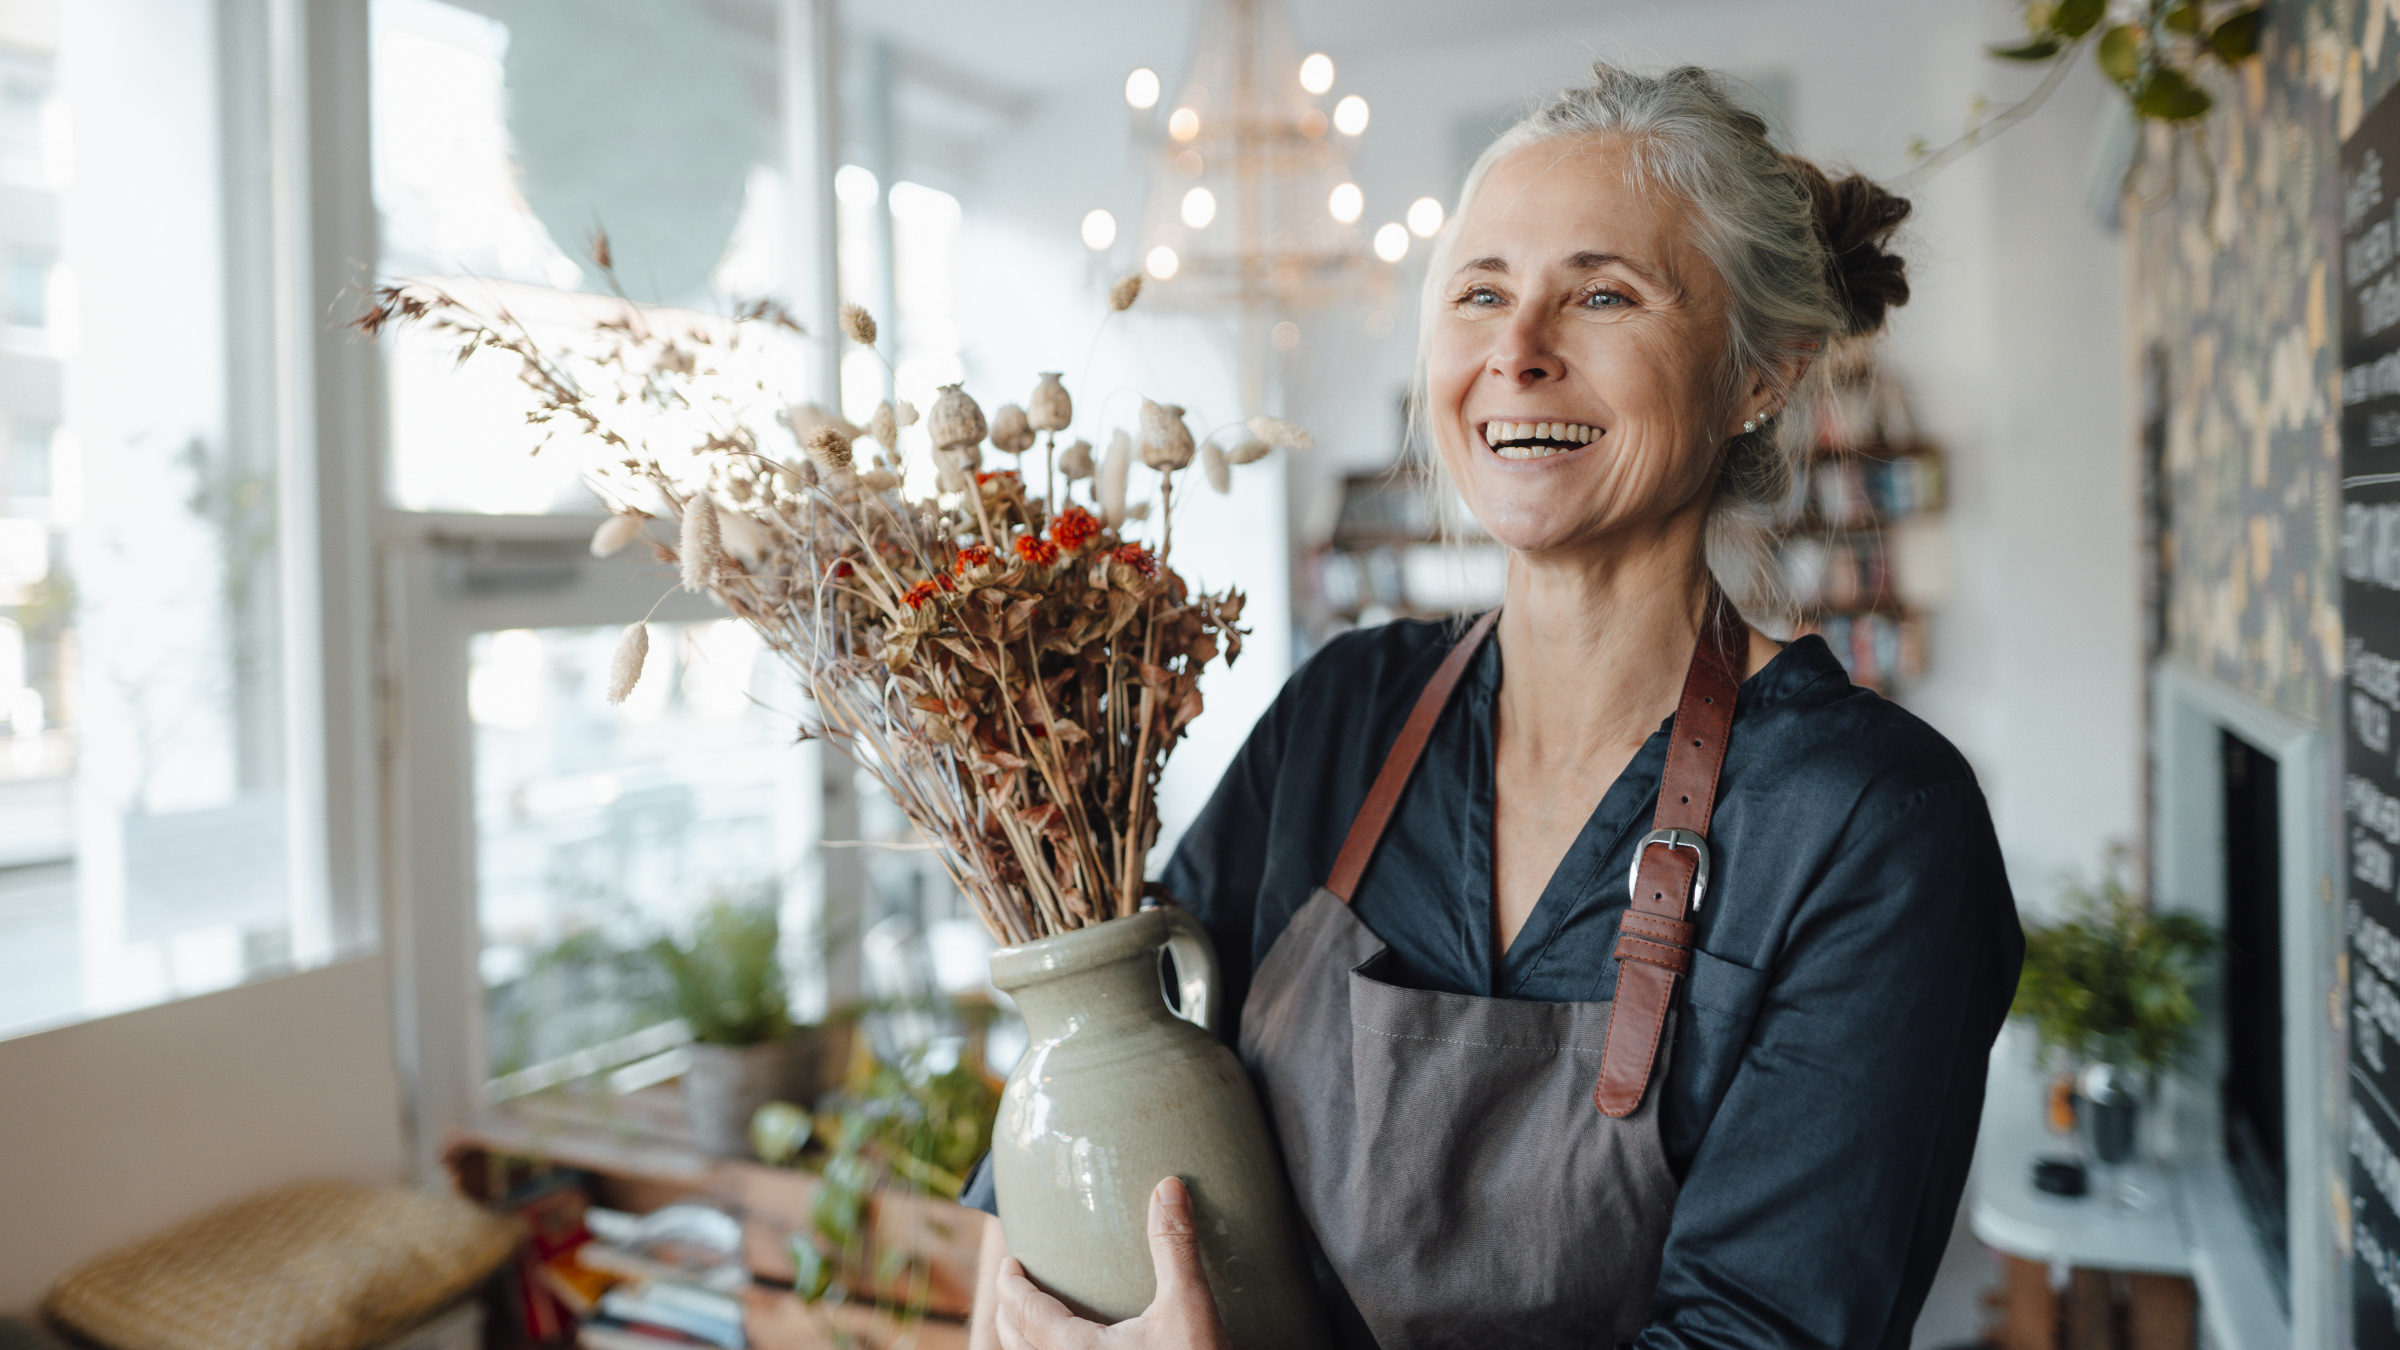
x: 2110, y: 986
x: 727, y: 985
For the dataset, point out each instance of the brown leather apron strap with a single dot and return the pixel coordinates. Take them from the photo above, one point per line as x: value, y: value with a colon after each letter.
x: 1670, y: 866
x: 1366, y: 828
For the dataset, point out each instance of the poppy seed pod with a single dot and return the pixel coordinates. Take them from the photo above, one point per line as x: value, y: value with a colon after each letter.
x: 1050, y: 407
x: 1010, y: 430
x: 956, y: 423
x: 1075, y: 462
x: 1166, y: 441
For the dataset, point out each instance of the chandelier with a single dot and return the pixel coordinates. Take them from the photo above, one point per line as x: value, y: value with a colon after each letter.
x: 1251, y: 206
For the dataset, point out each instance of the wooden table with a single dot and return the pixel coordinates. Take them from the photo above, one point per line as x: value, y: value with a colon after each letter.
x: 639, y: 1149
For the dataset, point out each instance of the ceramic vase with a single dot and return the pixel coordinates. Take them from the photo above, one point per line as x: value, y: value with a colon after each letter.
x: 1116, y: 1092
x: 726, y: 1084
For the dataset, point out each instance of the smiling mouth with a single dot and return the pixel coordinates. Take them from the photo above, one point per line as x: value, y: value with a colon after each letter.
x: 1537, y: 440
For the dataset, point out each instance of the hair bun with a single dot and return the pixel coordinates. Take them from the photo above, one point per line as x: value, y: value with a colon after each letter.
x: 1856, y: 218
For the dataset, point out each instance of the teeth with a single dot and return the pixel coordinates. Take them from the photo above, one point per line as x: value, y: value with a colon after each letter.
x: 1498, y: 435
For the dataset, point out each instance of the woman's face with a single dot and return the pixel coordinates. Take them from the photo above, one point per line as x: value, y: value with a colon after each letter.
x: 1574, y: 375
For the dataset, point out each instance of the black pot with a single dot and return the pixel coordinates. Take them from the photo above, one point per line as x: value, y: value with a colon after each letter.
x: 2113, y: 1127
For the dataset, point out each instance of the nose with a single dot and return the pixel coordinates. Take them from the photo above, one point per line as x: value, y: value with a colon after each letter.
x: 1525, y: 356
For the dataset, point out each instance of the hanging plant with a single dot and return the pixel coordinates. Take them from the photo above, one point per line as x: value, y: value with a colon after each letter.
x: 2151, y: 50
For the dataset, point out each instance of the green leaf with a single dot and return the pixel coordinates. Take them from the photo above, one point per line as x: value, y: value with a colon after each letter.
x: 2040, y: 49
x: 2074, y: 18
x: 2120, y: 54
x: 2236, y: 38
x: 2182, y: 18
x: 2169, y: 96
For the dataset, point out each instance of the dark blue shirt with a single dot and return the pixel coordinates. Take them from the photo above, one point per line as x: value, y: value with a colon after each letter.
x: 1858, y: 947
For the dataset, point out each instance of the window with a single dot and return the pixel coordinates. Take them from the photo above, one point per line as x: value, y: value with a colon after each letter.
x: 152, y: 843
x: 505, y: 138
x: 28, y: 292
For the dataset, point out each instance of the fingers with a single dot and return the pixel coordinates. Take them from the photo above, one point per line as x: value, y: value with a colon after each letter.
x: 1175, y: 1250
x: 1032, y: 1320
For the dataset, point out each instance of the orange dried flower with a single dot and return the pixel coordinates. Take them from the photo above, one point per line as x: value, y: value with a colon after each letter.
x: 974, y: 556
x: 1136, y: 557
x: 1074, y: 528
x: 1036, y: 550
x: 989, y: 474
x: 918, y: 594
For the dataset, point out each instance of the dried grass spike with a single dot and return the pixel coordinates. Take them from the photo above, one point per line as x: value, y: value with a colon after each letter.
x: 1212, y: 462
x: 1166, y: 441
x: 1113, y: 471
x: 625, y: 668
x: 857, y: 324
x: 743, y: 537
x: 884, y: 426
x: 1127, y: 290
x: 879, y: 480
x: 828, y: 451
x: 616, y: 532
x: 1011, y: 431
x: 1248, y: 450
x: 908, y: 413
x: 1050, y: 408
x: 1075, y: 462
x: 957, y: 422
x: 701, y: 549
x: 1281, y: 434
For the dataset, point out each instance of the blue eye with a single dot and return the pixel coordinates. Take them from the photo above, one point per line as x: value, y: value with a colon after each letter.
x: 1614, y: 299
x: 1481, y: 295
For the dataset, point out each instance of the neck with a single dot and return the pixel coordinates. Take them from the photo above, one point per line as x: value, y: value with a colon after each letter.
x: 1595, y: 644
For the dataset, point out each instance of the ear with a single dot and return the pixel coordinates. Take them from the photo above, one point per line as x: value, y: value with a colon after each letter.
x: 1786, y: 374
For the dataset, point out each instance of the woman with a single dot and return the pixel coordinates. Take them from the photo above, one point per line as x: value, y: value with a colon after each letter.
x: 1520, y: 1109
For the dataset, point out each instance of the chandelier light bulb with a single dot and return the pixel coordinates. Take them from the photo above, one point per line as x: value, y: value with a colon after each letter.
x: 1163, y: 262
x: 1316, y: 73
x: 1141, y: 88
x: 1099, y: 230
x: 1391, y: 242
x: 1350, y: 115
x: 1184, y: 124
x: 1346, y: 203
x: 1425, y: 217
x: 1199, y: 208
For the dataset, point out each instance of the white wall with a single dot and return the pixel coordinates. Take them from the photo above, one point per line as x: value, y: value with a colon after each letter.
x: 114, y: 1128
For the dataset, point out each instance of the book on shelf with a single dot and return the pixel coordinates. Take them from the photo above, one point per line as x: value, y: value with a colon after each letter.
x: 705, y: 1315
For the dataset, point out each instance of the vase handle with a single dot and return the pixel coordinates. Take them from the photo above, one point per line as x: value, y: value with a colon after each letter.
x: 1195, y: 956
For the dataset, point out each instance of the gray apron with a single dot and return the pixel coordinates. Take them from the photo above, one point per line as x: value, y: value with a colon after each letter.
x: 1446, y: 1149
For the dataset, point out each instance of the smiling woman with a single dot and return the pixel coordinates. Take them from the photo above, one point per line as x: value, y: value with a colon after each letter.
x: 1542, y: 1076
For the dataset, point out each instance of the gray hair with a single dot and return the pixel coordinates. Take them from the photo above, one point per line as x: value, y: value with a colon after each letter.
x: 1801, y: 257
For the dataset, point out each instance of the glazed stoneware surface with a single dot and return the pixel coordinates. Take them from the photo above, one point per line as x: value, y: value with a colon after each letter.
x: 1117, y: 1093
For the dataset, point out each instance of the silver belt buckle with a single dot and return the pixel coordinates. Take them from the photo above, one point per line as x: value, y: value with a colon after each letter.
x: 1672, y: 839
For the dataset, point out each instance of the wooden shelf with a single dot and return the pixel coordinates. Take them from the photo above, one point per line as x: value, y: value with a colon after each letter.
x: 639, y: 1151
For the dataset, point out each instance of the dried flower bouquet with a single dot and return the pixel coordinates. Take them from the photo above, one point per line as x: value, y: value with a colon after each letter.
x: 1011, y: 664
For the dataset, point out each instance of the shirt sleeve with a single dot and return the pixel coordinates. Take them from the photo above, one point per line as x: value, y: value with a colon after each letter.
x: 1823, y: 1193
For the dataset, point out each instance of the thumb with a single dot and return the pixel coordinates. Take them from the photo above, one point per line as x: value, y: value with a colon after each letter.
x: 1175, y: 1247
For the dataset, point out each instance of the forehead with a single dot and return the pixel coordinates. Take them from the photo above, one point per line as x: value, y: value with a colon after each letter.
x: 1556, y: 198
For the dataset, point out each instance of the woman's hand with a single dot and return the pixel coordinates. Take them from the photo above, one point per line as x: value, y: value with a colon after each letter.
x: 1181, y: 1316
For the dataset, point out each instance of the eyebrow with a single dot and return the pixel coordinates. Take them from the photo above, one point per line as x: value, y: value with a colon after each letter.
x: 1581, y: 262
